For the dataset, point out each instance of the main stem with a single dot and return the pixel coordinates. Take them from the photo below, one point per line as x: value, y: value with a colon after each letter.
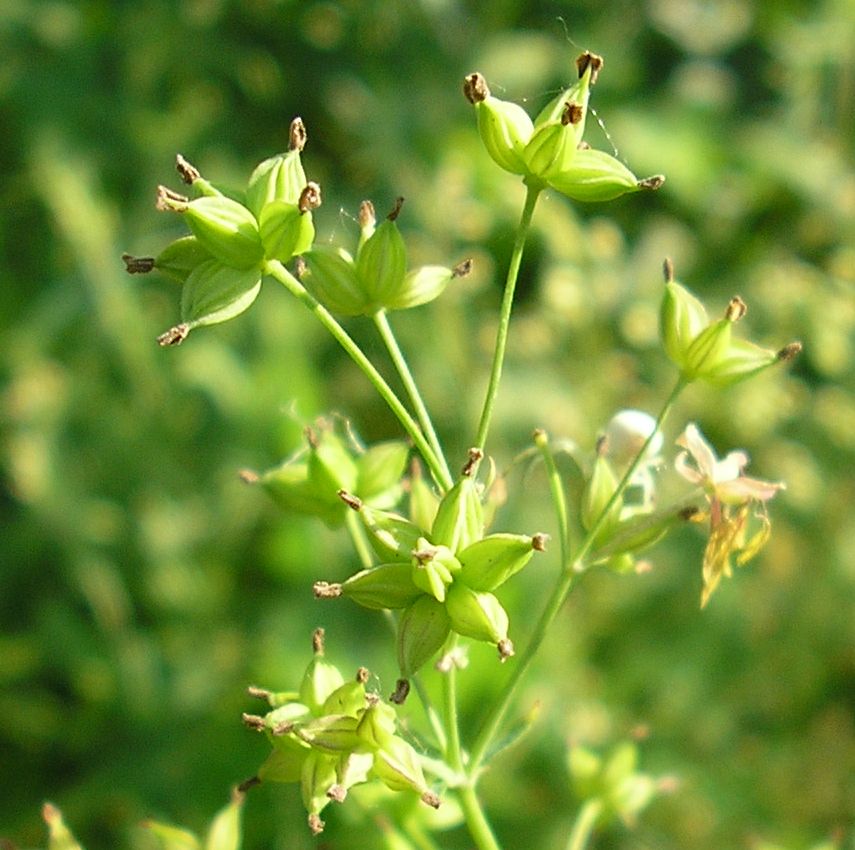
x: 381, y: 321
x: 532, y: 193
x: 277, y: 271
x: 573, y: 566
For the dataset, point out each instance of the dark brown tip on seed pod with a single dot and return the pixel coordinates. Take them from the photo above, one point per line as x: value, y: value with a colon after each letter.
x: 325, y: 590
x: 310, y: 198
x: 311, y: 436
x: 337, y: 793
x: 258, y: 693
x: 736, y: 309
x: 316, y: 825
x: 401, y: 692
x: 572, y: 113
x: 137, y: 265
x: 362, y: 675
x: 244, y: 786
x: 475, y: 88
x: 668, y: 269
x: 688, y: 512
x: 366, y: 217
x: 248, y: 476
x: 286, y: 727
x: 651, y: 184
x: 297, y: 135
x: 431, y: 799
x: 602, y: 445
x: 789, y: 352
x: 396, y: 210
x: 506, y: 650
x: 188, y: 173
x: 174, y: 336
x: 318, y: 641
x: 169, y: 201
x: 350, y: 500
x: 463, y: 268
x: 586, y: 59
x: 253, y: 721
x: 471, y: 466
x: 539, y: 541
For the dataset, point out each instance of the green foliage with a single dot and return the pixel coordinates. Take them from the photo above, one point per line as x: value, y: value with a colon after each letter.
x: 143, y: 587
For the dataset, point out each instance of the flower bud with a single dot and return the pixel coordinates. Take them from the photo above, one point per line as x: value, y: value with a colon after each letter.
x: 422, y: 630
x: 594, y: 176
x: 505, y: 128
x: 225, y: 228
x: 479, y: 615
x: 459, y: 519
x: 433, y: 568
x: 280, y: 178
x: 332, y: 279
x: 381, y: 263
x: 388, y: 586
x: 214, y: 293
x: 490, y: 562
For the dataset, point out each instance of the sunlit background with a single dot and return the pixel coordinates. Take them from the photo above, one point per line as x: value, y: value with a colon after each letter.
x: 144, y: 586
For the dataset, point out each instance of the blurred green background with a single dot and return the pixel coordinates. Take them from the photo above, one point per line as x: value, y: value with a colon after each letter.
x: 143, y: 586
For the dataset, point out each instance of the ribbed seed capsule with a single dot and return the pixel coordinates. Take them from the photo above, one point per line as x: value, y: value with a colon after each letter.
x: 317, y: 777
x: 381, y: 262
x: 682, y: 317
x: 280, y: 178
x: 330, y: 465
x: 397, y: 765
x: 321, y: 677
x: 379, y: 472
x: 478, y: 615
x: 598, y: 491
x: 332, y: 279
x: 215, y: 293
x: 433, y: 568
x: 504, y: 127
x: 285, y: 230
x: 742, y: 360
x: 488, y: 563
x: 594, y: 176
x: 708, y: 349
x: 334, y: 734
x: 388, y: 586
x: 226, y: 229
x: 392, y: 537
x: 178, y: 259
x: 422, y: 630
x: 348, y: 698
x: 377, y: 725
x: 459, y: 519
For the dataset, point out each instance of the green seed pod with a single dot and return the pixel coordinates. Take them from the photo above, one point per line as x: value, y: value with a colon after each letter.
x: 226, y: 229
x: 742, y: 360
x: 423, y: 503
x: 598, y: 491
x: 169, y: 837
x: 478, y: 615
x: 379, y: 473
x: 422, y: 630
x: 330, y: 465
x: 682, y: 317
x: 289, y: 486
x: 504, y: 127
x: 551, y: 150
x: 317, y: 777
x: 348, y: 698
x: 433, y: 568
x: 60, y: 837
x: 594, y: 176
x: 588, y: 66
x: 424, y: 284
x: 214, y: 293
x: 178, y: 259
x: 388, y: 586
x: 224, y: 832
x: 391, y: 536
x: 285, y: 230
x: 280, y: 178
x: 331, y: 278
x: 708, y: 349
x: 321, y: 677
x: 488, y: 563
x: 397, y: 765
x: 285, y: 762
x: 459, y: 519
x: 377, y: 725
x: 333, y: 734
x: 381, y: 263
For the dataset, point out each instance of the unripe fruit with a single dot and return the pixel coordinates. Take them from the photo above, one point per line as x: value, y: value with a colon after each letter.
x: 214, y: 293
x: 490, y: 562
x: 478, y: 615
x: 226, y: 229
x: 422, y: 630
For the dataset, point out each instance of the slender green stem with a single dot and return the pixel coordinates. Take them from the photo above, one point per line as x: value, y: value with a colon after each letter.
x: 357, y: 536
x: 556, y: 489
x: 584, y: 825
x: 381, y: 321
x: 533, y: 191
x: 453, y: 753
x: 277, y: 271
x: 588, y: 543
x: 572, y: 568
x: 476, y: 821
